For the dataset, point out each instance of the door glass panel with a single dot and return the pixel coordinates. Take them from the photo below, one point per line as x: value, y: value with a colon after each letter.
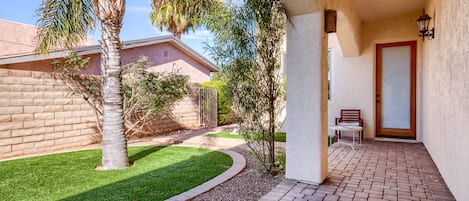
x: 395, y: 85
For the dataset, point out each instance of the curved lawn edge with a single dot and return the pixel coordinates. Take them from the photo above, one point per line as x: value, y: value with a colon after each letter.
x: 187, y: 159
x: 238, y: 165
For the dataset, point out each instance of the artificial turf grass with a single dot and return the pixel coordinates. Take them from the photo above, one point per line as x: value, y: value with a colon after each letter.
x: 279, y: 137
x: 158, y: 173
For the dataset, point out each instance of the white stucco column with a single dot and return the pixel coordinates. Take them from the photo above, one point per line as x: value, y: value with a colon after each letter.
x: 306, y: 72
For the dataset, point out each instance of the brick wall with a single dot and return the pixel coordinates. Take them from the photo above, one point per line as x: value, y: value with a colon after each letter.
x: 185, y: 115
x: 38, y: 113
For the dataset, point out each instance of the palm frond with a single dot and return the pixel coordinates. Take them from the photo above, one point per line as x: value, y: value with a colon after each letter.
x: 63, y: 23
x: 178, y: 16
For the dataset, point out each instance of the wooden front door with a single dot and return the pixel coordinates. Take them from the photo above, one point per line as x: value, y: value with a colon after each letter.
x: 395, y: 89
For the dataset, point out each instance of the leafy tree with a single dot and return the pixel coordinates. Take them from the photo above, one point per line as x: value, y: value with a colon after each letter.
x: 247, y: 40
x: 146, y: 94
x: 178, y: 16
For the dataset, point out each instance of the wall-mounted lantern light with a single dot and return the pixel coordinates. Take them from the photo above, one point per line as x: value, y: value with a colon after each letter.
x: 423, y: 23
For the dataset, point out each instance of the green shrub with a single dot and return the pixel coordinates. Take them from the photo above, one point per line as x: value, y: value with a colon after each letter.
x: 146, y: 94
x: 280, y: 161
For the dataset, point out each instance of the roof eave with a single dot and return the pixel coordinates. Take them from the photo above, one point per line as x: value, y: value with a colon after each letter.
x: 95, y: 49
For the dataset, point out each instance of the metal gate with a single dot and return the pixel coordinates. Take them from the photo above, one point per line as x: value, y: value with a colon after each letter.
x: 208, y: 107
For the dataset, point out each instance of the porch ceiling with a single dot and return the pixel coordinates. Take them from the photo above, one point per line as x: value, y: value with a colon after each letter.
x: 381, y: 9
x: 300, y: 7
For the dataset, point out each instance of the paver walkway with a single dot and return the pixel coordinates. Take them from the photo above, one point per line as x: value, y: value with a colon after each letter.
x: 373, y: 171
x: 192, y: 138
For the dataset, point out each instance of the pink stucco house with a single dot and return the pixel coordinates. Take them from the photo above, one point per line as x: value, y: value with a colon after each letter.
x: 166, y: 52
x: 18, y: 38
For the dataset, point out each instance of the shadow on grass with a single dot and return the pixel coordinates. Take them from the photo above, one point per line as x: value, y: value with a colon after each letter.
x: 162, y: 183
x: 144, y: 153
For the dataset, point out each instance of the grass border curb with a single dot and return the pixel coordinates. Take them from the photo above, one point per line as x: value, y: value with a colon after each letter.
x: 239, y: 163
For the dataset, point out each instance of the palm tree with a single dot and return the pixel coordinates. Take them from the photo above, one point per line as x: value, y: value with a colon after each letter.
x: 178, y: 16
x: 63, y: 24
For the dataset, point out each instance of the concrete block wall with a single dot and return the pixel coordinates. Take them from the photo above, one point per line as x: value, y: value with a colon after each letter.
x: 38, y: 113
x: 185, y: 115
x: 187, y: 110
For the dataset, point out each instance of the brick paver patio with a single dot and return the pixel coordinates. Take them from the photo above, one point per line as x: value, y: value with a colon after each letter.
x: 373, y: 171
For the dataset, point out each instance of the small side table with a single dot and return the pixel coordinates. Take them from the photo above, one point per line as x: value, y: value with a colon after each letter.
x: 354, y: 129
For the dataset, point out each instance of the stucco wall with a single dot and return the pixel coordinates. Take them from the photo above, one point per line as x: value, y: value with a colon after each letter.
x: 164, y: 56
x: 16, y: 38
x: 353, y: 78
x: 306, y: 99
x: 445, y: 88
x: 349, y: 27
x: 19, y: 38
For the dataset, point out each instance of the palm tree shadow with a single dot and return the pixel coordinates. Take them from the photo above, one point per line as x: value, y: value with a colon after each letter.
x: 157, y: 184
x: 144, y: 153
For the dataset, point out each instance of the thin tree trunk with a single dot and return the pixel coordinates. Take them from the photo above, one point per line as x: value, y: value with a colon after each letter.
x: 272, y: 119
x: 178, y: 35
x: 114, y: 143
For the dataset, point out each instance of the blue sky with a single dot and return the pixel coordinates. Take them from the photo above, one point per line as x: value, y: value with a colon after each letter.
x: 136, y: 23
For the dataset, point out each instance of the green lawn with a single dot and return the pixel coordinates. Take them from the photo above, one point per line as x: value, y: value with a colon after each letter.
x: 158, y: 173
x: 279, y: 137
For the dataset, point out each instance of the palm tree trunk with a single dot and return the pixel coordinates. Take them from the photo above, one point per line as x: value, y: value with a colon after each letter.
x: 114, y: 143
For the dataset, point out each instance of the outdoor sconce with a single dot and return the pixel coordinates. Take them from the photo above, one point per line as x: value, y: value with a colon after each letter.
x: 423, y: 22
